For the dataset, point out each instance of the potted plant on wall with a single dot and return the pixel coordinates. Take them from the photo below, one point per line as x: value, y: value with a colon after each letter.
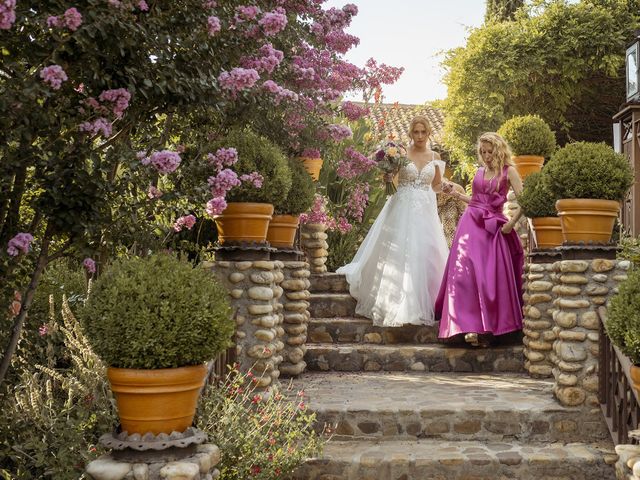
x: 623, y: 322
x: 312, y: 162
x: 155, y: 321
x: 539, y: 205
x: 531, y: 141
x: 283, y: 225
x: 590, y: 180
x: 250, y: 205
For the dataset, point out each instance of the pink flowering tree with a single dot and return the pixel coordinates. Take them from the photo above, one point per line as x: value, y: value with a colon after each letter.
x: 111, y: 109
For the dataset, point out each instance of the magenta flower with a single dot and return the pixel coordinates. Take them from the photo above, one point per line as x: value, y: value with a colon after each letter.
x: 238, y: 79
x: 43, y: 330
x: 72, y: 19
x: 310, y: 153
x: 339, y: 132
x: 20, y: 243
x: 7, y: 14
x: 53, y: 21
x: 54, y: 75
x: 164, y: 161
x: 89, y: 265
x: 223, y: 182
x: 274, y: 22
x: 119, y: 97
x: 213, y: 25
x: 216, y: 206
x: 142, y: 5
x: 186, y: 221
x: 100, y: 125
x: 254, y: 178
x: 354, y: 112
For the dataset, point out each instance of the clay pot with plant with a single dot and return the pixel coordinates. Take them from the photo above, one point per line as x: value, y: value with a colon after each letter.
x: 531, y: 141
x: 539, y: 205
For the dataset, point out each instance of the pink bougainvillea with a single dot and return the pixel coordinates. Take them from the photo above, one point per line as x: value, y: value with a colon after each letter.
x: 7, y: 14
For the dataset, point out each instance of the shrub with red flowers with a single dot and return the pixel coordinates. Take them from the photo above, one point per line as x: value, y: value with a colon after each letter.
x: 261, y: 436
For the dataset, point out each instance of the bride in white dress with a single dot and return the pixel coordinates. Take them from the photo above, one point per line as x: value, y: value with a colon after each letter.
x: 396, y: 273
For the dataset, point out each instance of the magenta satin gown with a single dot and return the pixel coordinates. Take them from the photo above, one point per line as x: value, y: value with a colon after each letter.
x: 481, y: 290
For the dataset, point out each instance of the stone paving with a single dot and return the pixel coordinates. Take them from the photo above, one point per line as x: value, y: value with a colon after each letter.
x: 447, y: 406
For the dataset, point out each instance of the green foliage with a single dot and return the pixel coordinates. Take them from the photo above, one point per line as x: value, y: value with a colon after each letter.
x: 502, y: 10
x: 560, y: 60
x: 630, y: 250
x: 258, y: 154
x: 261, y: 437
x: 528, y: 135
x: 52, y: 417
x: 536, y: 200
x: 302, y: 190
x: 623, y: 321
x: 157, y: 312
x: 588, y: 170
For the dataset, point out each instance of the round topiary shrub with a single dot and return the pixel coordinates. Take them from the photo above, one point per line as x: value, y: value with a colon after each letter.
x: 302, y: 191
x: 528, y: 135
x: 588, y: 170
x: 258, y: 154
x: 157, y: 312
x: 623, y: 322
x: 536, y: 200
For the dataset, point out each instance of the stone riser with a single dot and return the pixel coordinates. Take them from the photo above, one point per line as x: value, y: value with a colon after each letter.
x: 462, y: 461
x: 466, y: 425
x: 404, y: 358
x: 328, y: 282
x: 331, y: 305
x: 362, y: 330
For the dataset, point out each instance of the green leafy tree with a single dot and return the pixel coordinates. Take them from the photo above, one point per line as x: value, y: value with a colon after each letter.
x: 502, y: 10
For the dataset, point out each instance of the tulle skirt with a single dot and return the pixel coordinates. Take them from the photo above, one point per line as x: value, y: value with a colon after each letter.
x: 396, y: 273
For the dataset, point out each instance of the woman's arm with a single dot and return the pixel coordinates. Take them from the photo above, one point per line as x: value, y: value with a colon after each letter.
x: 456, y: 191
x: 516, y: 184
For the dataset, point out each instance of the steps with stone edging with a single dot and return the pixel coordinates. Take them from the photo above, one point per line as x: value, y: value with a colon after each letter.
x: 402, y: 406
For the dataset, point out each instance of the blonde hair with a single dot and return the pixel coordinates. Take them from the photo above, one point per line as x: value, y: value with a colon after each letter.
x: 501, y: 152
x: 420, y: 120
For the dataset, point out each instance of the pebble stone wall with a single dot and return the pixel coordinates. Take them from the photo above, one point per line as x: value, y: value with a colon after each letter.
x: 313, y: 241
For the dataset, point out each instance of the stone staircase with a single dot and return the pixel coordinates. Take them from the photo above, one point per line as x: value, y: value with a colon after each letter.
x: 402, y: 406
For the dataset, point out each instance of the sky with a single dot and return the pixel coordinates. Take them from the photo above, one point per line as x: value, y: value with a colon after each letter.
x: 412, y: 34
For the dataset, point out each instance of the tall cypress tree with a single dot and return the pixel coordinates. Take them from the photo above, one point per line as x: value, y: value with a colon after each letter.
x: 502, y: 10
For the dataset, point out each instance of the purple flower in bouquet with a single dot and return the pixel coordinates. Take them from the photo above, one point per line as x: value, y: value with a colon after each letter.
x: 390, y: 157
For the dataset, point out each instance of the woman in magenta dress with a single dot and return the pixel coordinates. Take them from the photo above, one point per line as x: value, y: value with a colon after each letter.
x: 481, y: 291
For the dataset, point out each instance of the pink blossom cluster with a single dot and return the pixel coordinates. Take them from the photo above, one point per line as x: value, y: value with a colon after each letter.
x: 54, y: 75
x: 119, y: 98
x: 342, y: 225
x: 89, y: 265
x: 280, y: 93
x: 186, y: 221
x: 358, y: 201
x: 224, y: 157
x: 98, y: 126
x: 273, y: 22
x: 310, y: 153
x: 378, y: 75
x: 354, y: 164
x: 142, y: 5
x: 254, y: 178
x: 213, y: 25
x: 7, y: 14
x: 238, y: 79
x: 318, y: 213
x: 153, y: 192
x: 216, y: 206
x: 269, y: 59
x: 340, y: 41
x: 301, y: 8
x: 294, y: 121
x: 70, y: 19
x: 353, y: 111
x: 224, y: 181
x: 164, y: 161
x: 338, y: 132
x: 209, y: 4
x: 246, y: 13
x: 20, y: 243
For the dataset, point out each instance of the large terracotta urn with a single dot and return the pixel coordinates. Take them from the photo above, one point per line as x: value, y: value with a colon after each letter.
x: 313, y: 166
x: 528, y: 164
x: 587, y: 220
x: 244, y: 222
x: 282, y: 230
x: 163, y: 400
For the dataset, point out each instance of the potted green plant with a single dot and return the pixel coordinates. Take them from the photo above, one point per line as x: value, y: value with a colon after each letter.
x: 623, y: 322
x: 155, y: 321
x: 531, y: 141
x: 250, y: 205
x: 283, y: 225
x: 539, y: 205
x: 590, y: 180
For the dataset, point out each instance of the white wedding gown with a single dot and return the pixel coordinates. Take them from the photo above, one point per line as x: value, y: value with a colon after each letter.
x: 396, y: 273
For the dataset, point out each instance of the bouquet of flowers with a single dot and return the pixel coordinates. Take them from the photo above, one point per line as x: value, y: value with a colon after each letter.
x: 390, y: 157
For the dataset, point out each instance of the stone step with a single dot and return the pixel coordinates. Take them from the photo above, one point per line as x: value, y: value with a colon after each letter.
x: 451, y: 406
x: 362, y: 330
x: 444, y: 460
x: 430, y: 358
x: 331, y: 305
x: 328, y: 282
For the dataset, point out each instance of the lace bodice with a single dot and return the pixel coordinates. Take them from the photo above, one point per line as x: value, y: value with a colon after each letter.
x: 411, y: 177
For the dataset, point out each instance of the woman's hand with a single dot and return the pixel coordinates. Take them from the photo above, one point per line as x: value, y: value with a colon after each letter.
x: 388, y: 177
x: 447, y: 187
x: 507, y: 228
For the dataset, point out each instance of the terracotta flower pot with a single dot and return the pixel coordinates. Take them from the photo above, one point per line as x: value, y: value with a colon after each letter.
x: 548, y: 232
x: 156, y: 401
x: 282, y: 230
x: 313, y: 166
x: 587, y: 220
x: 634, y: 373
x: 528, y: 164
x: 244, y: 222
